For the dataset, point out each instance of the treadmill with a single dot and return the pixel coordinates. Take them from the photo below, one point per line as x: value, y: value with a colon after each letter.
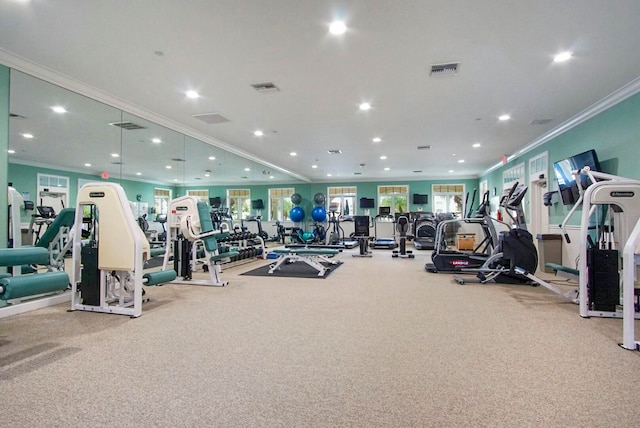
x: 384, y: 215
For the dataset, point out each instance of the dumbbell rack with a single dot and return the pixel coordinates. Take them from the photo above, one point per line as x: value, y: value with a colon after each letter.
x: 249, y: 245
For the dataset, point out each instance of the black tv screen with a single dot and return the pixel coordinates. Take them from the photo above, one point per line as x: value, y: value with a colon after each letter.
x: 257, y: 204
x: 367, y: 203
x: 419, y: 199
x: 215, y: 202
x: 567, y: 183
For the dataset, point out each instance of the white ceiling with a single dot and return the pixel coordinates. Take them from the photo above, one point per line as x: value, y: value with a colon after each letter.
x: 505, y: 49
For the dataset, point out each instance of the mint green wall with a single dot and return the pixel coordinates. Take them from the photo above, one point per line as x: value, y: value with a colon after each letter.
x: 4, y: 146
x: 365, y: 189
x: 615, y: 136
x: 24, y: 179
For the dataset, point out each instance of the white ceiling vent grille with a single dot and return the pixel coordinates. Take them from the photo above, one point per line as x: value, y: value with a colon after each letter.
x: 357, y: 173
x: 417, y: 171
x: 449, y: 69
x: 265, y: 87
x: 540, y: 121
x: 334, y: 152
x: 129, y: 126
x: 424, y: 147
x: 211, y: 118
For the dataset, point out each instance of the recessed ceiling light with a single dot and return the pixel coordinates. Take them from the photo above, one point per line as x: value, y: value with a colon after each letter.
x: 59, y: 109
x: 365, y: 106
x: 27, y: 136
x: 328, y: 175
x: 387, y: 169
x: 271, y: 177
x: 115, y: 155
x: 453, y: 154
x: 192, y: 94
x: 450, y: 170
x: 461, y: 161
x: 314, y: 166
x: 247, y: 169
x: 563, y: 56
x: 376, y: 139
x: 476, y: 145
x: 337, y: 28
x: 168, y: 166
x: 87, y: 165
x: 383, y: 157
x: 293, y: 154
x: 207, y: 175
x: 138, y: 173
x: 212, y: 158
x: 258, y: 133
x: 156, y: 140
x: 175, y: 179
x: 504, y: 117
x: 11, y: 151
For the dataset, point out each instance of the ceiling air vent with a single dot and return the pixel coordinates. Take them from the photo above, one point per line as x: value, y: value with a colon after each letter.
x: 449, y: 69
x: 334, y: 152
x: 16, y: 116
x: 540, y: 121
x: 357, y: 173
x: 417, y: 171
x: 128, y: 125
x: 265, y: 87
x: 177, y: 159
x: 424, y: 147
x: 211, y: 118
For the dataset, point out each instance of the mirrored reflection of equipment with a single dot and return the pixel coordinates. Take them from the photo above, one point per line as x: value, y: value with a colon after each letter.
x: 384, y: 217
x: 107, y: 273
x: 43, y: 217
x: 193, y: 242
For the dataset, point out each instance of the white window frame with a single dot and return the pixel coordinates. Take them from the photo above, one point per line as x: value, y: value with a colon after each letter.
x: 449, y: 196
x: 240, y: 200
x: 393, y: 196
x: 158, y: 206
x: 202, y: 194
x: 281, y: 201
x: 344, y: 193
x: 515, y: 173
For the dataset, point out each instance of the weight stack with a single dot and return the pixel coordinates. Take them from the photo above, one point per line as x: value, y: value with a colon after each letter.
x: 604, y: 279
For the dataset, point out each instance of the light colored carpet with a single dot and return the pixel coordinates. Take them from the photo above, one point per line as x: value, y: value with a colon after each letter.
x: 380, y: 343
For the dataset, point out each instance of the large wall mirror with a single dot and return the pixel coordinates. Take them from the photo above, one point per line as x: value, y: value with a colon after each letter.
x: 57, y: 132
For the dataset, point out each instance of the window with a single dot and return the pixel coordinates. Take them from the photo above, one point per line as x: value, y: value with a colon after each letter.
x: 344, y: 198
x: 239, y: 203
x: 538, y: 166
x: 202, y: 194
x: 512, y: 175
x: 396, y: 197
x: 280, y: 203
x: 161, y: 199
x: 53, y: 191
x: 448, y: 198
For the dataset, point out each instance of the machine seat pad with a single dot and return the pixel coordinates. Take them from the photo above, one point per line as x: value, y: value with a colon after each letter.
x: 155, y: 252
x: 307, y: 251
x: 561, y: 268
x: 226, y: 255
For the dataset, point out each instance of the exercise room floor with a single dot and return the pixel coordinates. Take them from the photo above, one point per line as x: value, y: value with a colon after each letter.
x: 379, y: 343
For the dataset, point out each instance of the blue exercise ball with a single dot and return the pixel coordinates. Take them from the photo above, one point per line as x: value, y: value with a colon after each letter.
x: 296, y: 214
x: 319, y: 214
x: 296, y: 198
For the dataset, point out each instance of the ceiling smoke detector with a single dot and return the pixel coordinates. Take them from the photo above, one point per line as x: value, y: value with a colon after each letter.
x: 211, y: 118
x: 334, y: 152
x: 424, y: 147
x: 448, y: 69
x: 128, y: 125
x: 265, y: 87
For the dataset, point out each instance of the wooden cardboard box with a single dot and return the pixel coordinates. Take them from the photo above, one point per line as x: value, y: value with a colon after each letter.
x: 466, y: 241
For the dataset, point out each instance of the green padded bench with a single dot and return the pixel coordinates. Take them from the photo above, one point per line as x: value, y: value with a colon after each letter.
x: 313, y: 257
x: 564, y: 270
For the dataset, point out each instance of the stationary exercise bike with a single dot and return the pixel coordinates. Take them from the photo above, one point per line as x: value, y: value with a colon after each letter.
x: 402, y: 226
